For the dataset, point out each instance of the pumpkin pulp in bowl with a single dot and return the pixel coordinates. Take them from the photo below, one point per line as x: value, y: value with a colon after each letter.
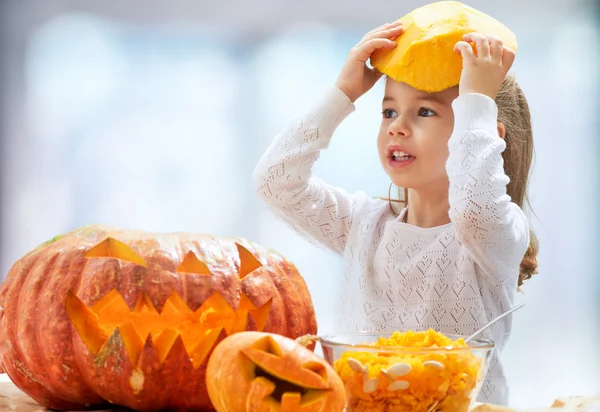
x: 422, y: 371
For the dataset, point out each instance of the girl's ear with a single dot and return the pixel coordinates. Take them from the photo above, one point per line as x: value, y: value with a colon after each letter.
x: 501, y: 130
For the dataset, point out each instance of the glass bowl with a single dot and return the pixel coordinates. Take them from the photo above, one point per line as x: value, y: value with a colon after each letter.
x: 426, y: 378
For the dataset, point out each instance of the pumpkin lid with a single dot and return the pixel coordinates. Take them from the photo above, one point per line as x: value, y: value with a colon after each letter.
x: 424, y: 57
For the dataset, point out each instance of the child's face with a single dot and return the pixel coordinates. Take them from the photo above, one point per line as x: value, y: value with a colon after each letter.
x: 414, y: 133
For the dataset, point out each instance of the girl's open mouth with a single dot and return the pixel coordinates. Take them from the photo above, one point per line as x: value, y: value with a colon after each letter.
x: 400, y: 158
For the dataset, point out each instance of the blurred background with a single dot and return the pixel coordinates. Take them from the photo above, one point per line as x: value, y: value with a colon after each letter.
x: 151, y: 115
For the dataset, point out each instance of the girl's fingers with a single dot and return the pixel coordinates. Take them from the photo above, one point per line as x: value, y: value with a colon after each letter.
x: 487, y: 46
x: 465, y: 50
x: 496, y: 48
x: 375, y: 73
x: 388, y: 33
x: 364, y: 51
x: 482, y: 43
x: 382, y: 27
x: 508, y: 57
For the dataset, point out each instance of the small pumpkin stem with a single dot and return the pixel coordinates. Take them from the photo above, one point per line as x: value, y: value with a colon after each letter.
x: 306, y: 340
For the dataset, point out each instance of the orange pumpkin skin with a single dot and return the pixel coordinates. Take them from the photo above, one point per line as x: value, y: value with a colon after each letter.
x: 265, y: 372
x: 173, y: 294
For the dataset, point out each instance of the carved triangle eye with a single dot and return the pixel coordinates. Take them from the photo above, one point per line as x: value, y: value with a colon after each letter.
x: 191, y: 264
x: 248, y: 262
x: 317, y: 368
x: 268, y: 345
x: 113, y: 248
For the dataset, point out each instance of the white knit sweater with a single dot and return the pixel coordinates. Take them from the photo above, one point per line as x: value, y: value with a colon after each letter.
x: 453, y: 278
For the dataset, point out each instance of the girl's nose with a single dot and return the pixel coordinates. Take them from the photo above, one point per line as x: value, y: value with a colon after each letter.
x: 398, y: 128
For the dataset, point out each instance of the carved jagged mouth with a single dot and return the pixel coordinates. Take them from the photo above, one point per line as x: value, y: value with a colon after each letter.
x: 281, y: 385
x: 198, y: 330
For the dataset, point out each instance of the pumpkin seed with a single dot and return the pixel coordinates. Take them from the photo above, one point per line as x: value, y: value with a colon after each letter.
x: 370, y: 385
x: 398, y: 386
x: 434, y: 364
x: 388, y: 375
x: 399, y: 369
x: 356, y: 366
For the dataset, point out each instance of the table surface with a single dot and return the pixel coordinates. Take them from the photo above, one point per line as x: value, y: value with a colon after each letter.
x: 13, y: 399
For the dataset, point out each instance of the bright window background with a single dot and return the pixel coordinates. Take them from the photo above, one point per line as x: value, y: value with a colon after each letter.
x: 158, y: 126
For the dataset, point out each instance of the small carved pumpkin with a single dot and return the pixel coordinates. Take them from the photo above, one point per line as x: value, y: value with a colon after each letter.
x: 264, y: 372
x: 105, y: 315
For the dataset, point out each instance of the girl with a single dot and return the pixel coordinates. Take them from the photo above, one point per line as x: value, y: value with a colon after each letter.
x: 453, y: 258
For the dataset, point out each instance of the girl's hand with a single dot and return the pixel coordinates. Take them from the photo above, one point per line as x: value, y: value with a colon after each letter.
x: 356, y: 78
x: 483, y: 73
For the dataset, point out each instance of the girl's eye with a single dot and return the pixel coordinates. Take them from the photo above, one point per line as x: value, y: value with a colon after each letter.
x: 389, y: 113
x: 425, y: 112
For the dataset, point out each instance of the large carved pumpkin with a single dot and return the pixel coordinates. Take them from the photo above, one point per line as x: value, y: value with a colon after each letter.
x: 127, y: 317
x: 265, y: 372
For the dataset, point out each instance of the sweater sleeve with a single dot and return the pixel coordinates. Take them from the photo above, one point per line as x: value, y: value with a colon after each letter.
x: 494, y: 230
x: 283, y: 177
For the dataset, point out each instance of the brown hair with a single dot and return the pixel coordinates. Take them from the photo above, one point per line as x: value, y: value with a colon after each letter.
x: 514, y: 114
